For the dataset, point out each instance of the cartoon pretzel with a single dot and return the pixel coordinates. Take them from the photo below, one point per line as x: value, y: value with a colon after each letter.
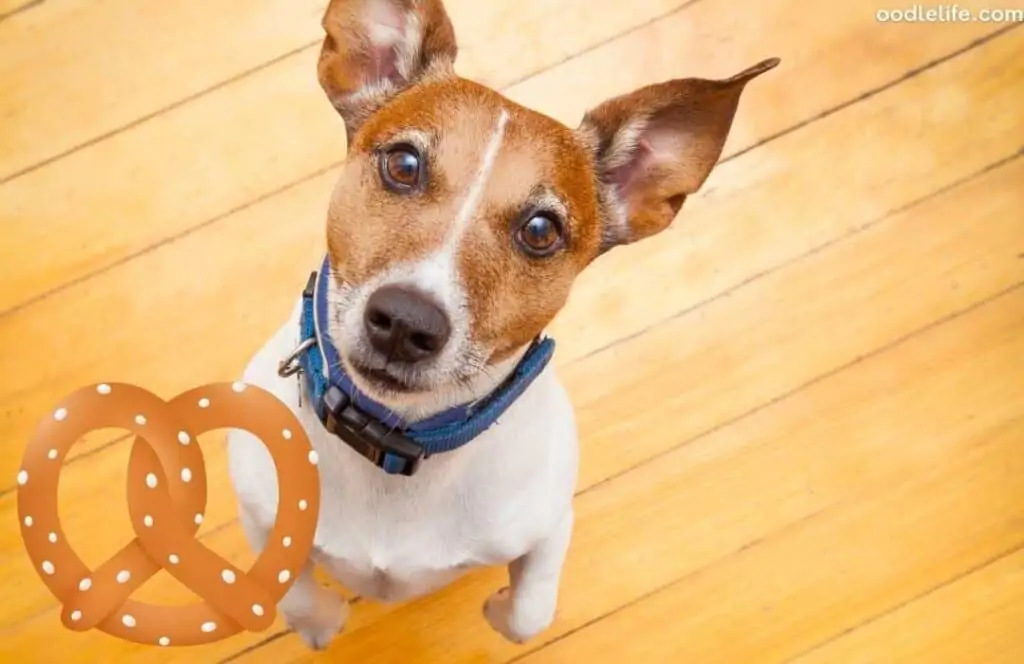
x: 166, y: 499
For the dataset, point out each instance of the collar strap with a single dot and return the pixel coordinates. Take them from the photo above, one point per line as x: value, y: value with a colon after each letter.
x: 371, y: 428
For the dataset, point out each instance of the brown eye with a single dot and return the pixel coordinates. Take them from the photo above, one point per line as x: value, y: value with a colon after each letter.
x: 400, y: 168
x: 541, y: 235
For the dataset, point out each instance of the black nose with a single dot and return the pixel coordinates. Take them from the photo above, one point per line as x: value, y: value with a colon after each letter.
x: 405, y: 324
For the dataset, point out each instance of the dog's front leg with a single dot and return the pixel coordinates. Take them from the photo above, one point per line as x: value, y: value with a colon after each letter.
x: 315, y: 613
x: 527, y: 608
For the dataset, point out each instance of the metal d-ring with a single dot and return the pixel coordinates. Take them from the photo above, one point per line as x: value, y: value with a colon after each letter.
x: 290, y: 365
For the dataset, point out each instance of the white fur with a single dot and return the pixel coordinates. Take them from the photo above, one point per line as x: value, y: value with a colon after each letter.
x: 476, y: 188
x: 437, y: 273
x: 503, y: 499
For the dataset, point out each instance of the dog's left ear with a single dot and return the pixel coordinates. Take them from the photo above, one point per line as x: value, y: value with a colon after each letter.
x: 374, y: 49
x: 657, y: 145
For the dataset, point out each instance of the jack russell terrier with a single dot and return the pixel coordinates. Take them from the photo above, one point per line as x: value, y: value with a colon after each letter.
x: 416, y: 358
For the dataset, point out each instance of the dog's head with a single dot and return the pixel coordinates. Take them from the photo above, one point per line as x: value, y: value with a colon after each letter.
x: 461, y: 219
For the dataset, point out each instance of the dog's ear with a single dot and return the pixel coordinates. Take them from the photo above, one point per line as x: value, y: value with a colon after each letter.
x: 655, y: 146
x: 374, y: 49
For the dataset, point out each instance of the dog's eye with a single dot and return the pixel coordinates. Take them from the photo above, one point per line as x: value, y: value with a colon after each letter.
x: 400, y: 168
x: 541, y: 235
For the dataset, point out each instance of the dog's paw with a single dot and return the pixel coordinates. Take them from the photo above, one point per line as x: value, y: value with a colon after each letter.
x: 498, y: 610
x: 319, y: 627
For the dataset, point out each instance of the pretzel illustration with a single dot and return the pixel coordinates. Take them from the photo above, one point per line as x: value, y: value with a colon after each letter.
x: 166, y: 499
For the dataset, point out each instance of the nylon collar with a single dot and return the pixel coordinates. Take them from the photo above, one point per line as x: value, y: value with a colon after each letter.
x: 371, y: 428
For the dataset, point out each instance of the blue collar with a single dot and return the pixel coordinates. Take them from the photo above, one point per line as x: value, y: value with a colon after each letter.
x: 371, y: 428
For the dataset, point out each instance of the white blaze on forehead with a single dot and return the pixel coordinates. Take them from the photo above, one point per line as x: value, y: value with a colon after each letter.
x: 436, y: 273
x: 476, y: 188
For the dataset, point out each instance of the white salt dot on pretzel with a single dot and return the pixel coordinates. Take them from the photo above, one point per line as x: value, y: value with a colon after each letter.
x: 48, y: 567
x: 257, y: 609
x: 123, y: 576
x: 199, y: 519
x: 173, y: 559
x: 238, y: 387
x: 28, y: 521
x: 228, y: 576
x: 287, y: 433
x: 164, y: 641
x: 314, y: 458
x: 148, y: 520
x: 183, y: 438
x: 151, y: 480
x: 52, y: 454
x: 53, y: 538
x: 303, y: 505
x: 128, y: 620
x: 22, y: 477
x: 284, y: 576
x: 103, y: 389
x: 186, y: 475
x: 204, y: 403
x: 208, y: 626
x: 287, y: 541
x: 76, y: 615
x: 85, y: 584
x: 140, y: 419
x: 60, y: 414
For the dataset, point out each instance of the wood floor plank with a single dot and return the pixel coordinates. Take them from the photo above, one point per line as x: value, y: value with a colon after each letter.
x: 974, y: 620
x: 927, y: 263
x: 765, y: 478
x: 114, y: 64
x: 730, y: 238
x: 217, y: 346
x: 9, y: 8
x: 95, y: 207
x: 807, y: 188
x: 778, y: 597
x: 778, y: 333
x: 75, y: 70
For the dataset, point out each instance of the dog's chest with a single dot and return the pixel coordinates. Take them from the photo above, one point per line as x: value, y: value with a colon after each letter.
x: 390, y: 546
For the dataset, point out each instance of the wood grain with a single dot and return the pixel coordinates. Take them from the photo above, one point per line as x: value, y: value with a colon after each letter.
x: 725, y: 241
x: 147, y: 184
x: 975, y: 619
x: 121, y: 64
x: 801, y: 409
x: 963, y: 268
x: 780, y: 596
x: 691, y: 513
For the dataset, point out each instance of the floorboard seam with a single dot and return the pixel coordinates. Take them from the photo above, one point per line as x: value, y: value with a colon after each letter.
x: 792, y: 128
x: 916, y: 598
x: 718, y: 296
x: 693, y: 439
x: 884, y: 348
x: 99, y: 138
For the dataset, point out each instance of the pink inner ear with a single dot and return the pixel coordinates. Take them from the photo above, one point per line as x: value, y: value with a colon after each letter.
x: 642, y: 157
x: 385, y: 27
x: 655, y: 149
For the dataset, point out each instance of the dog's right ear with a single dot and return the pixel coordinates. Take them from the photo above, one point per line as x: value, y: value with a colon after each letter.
x: 376, y: 48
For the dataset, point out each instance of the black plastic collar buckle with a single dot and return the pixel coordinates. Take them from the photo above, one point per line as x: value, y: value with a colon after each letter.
x: 310, y: 288
x: 389, y: 450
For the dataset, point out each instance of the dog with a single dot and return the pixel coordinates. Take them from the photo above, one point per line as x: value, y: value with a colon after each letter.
x: 454, y: 234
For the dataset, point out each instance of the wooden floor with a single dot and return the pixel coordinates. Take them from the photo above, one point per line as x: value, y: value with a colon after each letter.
x: 802, y: 410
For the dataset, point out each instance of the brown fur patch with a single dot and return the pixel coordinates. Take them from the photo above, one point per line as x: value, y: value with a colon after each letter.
x: 657, y: 145
x: 388, y: 68
x: 511, y: 296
